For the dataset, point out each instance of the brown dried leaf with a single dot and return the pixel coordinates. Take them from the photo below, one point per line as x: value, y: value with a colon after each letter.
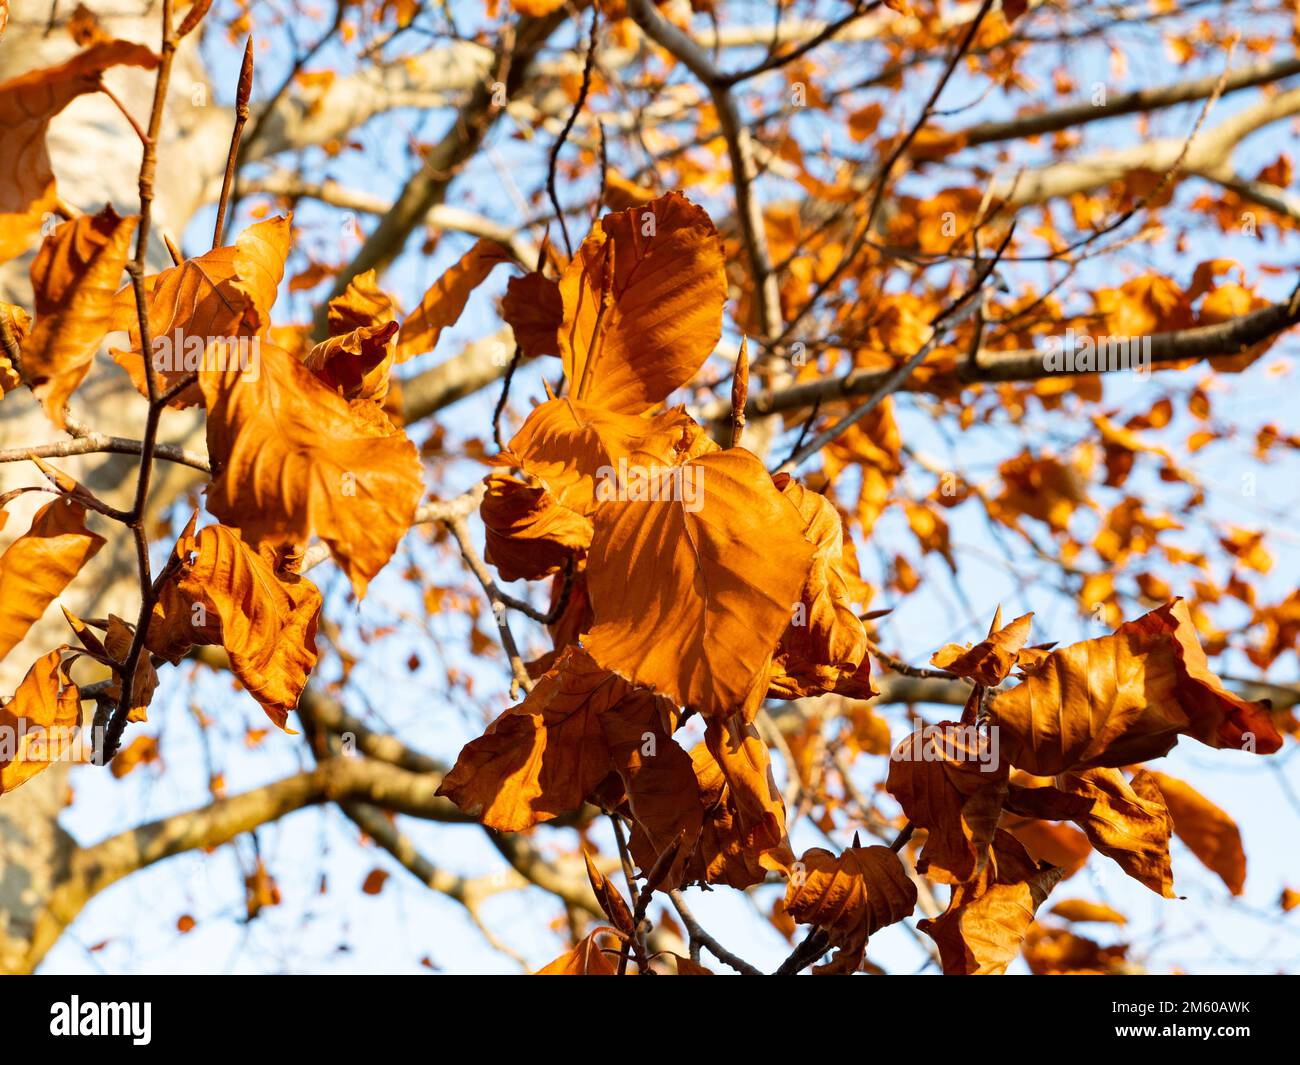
x: 37, y: 566
x: 74, y: 277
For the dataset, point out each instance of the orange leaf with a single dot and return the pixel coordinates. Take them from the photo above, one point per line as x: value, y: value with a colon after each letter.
x: 1080, y: 910
x: 143, y: 750
x: 1129, y: 823
x: 573, y: 447
x: 1217, y: 717
x: 296, y: 458
x: 74, y: 276
x: 989, y: 661
x: 658, y: 780
x: 1209, y: 833
x: 224, y: 593
x: 824, y: 648
x: 355, y: 364
x: 534, y: 312
x: 981, y: 931
x: 851, y: 896
x: 219, y: 296
x: 643, y: 302
x: 1125, y: 698
x: 19, y: 324
x: 948, y: 781
x: 1057, y: 951
x: 1057, y: 844
x: 39, y: 564
x: 38, y: 722
x: 543, y: 757
x: 611, y: 902
x: 113, y: 650
x: 686, y: 600
x: 442, y: 305
x: 585, y: 959
x: 529, y: 535
x: 27, y: 103
x: 760, y: 811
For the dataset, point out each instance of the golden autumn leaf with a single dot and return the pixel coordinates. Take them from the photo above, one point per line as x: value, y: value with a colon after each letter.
x: 543, y: 757
x: 686, y: 601
x: 759, y: 808
x: 529, y: 535
x: 112, y: 651
x: 851, y: 895
x: 27, y: 103
x: 38, y: 565
x: 658, y: 781
x: 1125, y: 698
x: 687, y: 967
x: 949, y: 781
x: 981, y: 931
x: 442, y: 304
x: 1081, y: 911
x: 588, y: 958
x: 990, y: 660
x: 260, y: 890
x: 1056, y: 844
x: 573, y: 448
x: 1108, y: 700
x: 534, y: 311
x: 872, y: 445
x: 1127, y: 822
x: 824, y: 648
x: 213, y: 298
x: 356, y: 358
x: 1210, y: 833
x: 15, y: 325
x: 1058, y: 951
x: 643, y: 302
x: 355, y: 364
x: 611, y: 901
x: 296, y: 459
x: 724, y: 853
x: 38, y: 722
x: 1216, y: 716
x: 363, y: 304
x: 620, y: 193
x: 143, y: 750
x: 74, y: 277
x: 224, y: 593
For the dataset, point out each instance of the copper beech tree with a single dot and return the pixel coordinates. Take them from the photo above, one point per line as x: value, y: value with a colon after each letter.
x: 737, y: 275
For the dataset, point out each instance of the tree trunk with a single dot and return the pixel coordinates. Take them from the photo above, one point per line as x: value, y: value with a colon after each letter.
x: 96, y: 159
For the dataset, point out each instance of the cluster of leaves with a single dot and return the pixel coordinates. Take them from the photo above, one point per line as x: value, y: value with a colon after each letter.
x: 670, y: 608
x: 665, y: 607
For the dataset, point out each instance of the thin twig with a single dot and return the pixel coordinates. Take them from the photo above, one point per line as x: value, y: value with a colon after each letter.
x: 149, y: 440
x: 698, y: 934
x: 568, y: 127
x: 460, y: 530
x: 242, y: 95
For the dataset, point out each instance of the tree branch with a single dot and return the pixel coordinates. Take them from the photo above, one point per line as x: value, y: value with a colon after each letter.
x: 1198, y: 342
